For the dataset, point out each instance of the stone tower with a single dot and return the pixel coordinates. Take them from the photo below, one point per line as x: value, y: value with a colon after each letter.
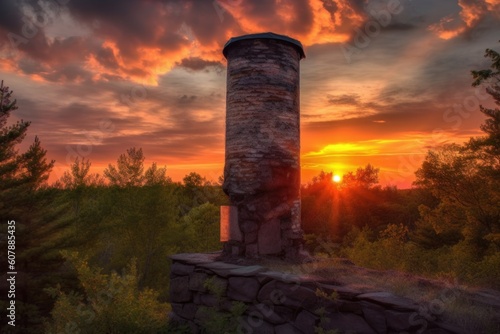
x: 262, y: 163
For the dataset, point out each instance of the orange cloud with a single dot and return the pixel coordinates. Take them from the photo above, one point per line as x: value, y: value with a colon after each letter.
x: 145, y: 69
x: 471, y: 13
x: 330, y: 20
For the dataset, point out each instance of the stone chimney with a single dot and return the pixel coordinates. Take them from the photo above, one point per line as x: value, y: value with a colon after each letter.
x: 262, y: 167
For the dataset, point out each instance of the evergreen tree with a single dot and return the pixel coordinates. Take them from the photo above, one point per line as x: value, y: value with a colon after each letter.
x: 25, y: 199
x: 129, y: 170
x: 10, y: 161
x: 489, y: 146
x: 36, y: 168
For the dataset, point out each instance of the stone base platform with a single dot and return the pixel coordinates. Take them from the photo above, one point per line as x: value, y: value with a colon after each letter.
x: 279, y: 303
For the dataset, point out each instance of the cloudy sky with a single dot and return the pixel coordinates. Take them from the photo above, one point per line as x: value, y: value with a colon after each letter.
x: 382, y: 82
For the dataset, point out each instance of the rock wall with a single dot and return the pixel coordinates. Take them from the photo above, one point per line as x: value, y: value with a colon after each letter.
x: 262, y: 161
x: 279, y: 303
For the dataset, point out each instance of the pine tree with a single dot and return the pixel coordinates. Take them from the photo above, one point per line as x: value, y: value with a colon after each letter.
x: 10, y: 136
x: 24, y: 200
x: 129, y: 170
x: 489, y: 145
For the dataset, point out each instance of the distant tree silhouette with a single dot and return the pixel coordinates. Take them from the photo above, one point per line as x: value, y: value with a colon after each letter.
x: 129, y: 170
x: 365, y: 177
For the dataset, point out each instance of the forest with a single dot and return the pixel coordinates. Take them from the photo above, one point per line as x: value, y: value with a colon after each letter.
x: 92, y: 250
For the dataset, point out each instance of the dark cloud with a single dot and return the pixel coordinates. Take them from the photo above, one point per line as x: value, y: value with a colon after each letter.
x: 187, y: 99
x: 398, y: 26
x: 107, y: 58
x: 209, y: 21
x: 303, y: 16
x: 399, y: 118
x: 332, y: 7
x: 350, y: 99
x: 10, y: 14
x: 198, y: 64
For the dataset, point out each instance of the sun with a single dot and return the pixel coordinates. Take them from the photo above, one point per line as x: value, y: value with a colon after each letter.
x: 336, y: 178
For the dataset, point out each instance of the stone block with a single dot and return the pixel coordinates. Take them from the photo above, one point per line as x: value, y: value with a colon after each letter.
x: 388, y: 299
x: 398, y: 321
x: 349, y: 306
x: 208, y: 300
x: 181, y: 269
x: 375, y: 317
x: 286, y: 329
x: 243, y: 289
x: 270, y: 237
x: 436, y: 331
x: 197, y: 281
x: 252, y: 251
x: 249, y: 226
x: 202, y: 315
x: 280, y: 293
x: 220, y: 268
x: 285, y: 312
x: 267, y: 312
x: 347, y: 322
x: 269, y: 293
x: 301, y: 296
x: 186, y: 311
x: 247, y: 271
x: 305, y: 322
x: 177, y: 308
x: 452, y: 328
x: 179, y: 290
x: 194, y: 329
x: 254, y: 323
x: 236, y: 251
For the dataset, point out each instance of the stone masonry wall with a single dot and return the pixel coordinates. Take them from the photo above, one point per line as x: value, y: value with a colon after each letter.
x: 278, y: 303
x: 262, y: 162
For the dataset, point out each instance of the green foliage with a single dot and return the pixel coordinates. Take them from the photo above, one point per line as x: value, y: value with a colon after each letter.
x: 78, y: 176
x: 323, y: 321
x: 25, y: 198
x: 20, y: 174
x: 333, y: 296
x: 10, y: 136
x: 215, y: 319
x: 466, y: 179
x: 129, y: 170
x: 36, y: 168
x: 156, y: 176
x: 197, y: 191
x: 215, y: 286
x: 109, y: 303
x: 139, y: 222
x: 366, y: 177
x: 459, y: 261
x: 202, y: 224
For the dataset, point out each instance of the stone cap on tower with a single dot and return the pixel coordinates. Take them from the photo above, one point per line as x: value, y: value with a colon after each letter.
x: 266, y: 35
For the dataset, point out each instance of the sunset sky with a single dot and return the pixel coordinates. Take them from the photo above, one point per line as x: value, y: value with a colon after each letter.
x: 382, y: 81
